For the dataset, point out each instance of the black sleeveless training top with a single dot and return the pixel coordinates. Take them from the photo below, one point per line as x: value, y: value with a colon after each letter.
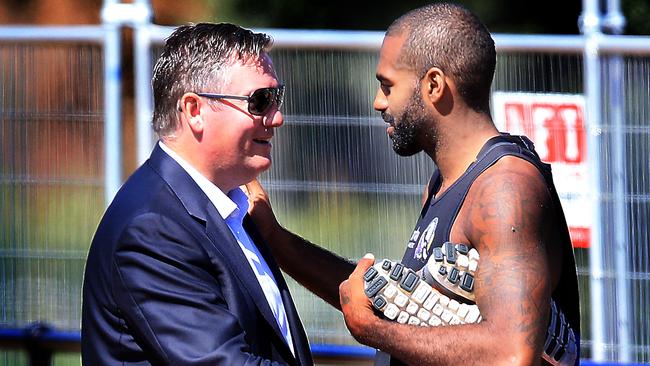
x: 438, y: 214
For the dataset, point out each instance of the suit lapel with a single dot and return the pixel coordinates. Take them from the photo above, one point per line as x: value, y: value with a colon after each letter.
x: 300, y: 340
x: 223, y: 242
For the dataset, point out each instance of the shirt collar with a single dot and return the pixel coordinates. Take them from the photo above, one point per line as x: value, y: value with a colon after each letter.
x: 233, y: 206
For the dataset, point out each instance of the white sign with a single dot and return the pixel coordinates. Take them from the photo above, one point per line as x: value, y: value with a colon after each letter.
x: 555, y: 123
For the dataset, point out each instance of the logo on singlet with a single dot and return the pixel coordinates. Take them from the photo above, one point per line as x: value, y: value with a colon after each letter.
x: 421, y: 252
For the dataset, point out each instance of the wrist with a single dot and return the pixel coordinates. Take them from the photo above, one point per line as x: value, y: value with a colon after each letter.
x: 370, y: 332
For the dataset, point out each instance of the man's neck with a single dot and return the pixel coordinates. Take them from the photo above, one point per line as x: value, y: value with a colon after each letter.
x: 191, y: 155
x: 457, y: 148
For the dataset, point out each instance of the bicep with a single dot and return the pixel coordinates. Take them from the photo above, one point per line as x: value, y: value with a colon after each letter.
x: 505, y: 221
x: 171, y: 298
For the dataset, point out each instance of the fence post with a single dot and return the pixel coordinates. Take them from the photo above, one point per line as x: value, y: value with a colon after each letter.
x: 614, y: 23
x: 590, y: 27
x: 110, y: 15
x: 38, y: 355
x: 143, y: 70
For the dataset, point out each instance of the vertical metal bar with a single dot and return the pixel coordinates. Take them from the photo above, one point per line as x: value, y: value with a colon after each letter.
x: 620, y: 219
x: 38, y: 355
x: 594, y: 141
x: 143, y: 90
x: 614, y: 22
x: 114, y: 16
x: 590, y: 26
x: 112, y: 106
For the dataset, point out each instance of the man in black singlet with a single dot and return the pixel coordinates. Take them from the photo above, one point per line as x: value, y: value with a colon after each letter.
x: 490, y: 191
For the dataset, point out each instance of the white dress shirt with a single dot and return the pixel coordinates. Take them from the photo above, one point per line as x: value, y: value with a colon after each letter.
x: 233, y: 208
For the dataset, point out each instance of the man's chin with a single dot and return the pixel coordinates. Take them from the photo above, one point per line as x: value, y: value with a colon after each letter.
x: 260, y: 164
x: 405, y: 150
x: 402, y: 147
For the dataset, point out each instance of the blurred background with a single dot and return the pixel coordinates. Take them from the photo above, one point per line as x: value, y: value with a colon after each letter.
x: 75, y: 122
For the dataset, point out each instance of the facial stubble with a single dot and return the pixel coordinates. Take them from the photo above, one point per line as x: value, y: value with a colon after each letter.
x: 409, y: 128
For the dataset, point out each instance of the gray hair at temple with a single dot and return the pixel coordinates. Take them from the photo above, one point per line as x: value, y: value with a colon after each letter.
x: 452, y: 38
x: 196, y: 58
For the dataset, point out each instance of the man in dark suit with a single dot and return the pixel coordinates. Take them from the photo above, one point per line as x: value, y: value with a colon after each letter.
x: 177, y: 273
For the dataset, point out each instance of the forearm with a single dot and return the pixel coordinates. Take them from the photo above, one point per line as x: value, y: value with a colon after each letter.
x: 314, y: 267
x: 462, y: 344
x: 511, y: 332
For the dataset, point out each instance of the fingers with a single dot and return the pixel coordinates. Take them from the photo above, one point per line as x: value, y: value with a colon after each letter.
x: 253, y: 186
x: 260, y: 210
x: 363, y: 265
x: 254, y: 190
x: 353, y: 286
x: 356, y: 277
x: 257, y: 196
x: 344, y: 292
x: 355, y: 305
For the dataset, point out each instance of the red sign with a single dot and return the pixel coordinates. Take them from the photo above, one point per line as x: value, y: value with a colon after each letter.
x: 555, y: 124
x: 557, y: 129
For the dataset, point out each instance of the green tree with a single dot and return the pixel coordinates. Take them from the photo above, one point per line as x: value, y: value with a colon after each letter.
x: 501, y: 16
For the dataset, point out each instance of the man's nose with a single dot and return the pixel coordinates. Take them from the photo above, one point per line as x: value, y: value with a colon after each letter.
x: 275, y: 118
x: 380, y: 103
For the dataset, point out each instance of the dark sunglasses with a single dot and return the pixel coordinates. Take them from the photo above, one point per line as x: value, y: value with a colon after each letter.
x: 259, y: 102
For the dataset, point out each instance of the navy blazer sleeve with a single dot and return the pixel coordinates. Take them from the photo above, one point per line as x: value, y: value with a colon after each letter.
x: 174, y: 299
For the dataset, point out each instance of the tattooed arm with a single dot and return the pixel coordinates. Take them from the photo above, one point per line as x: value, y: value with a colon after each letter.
x: 316, y: 268
x: 504, y: 217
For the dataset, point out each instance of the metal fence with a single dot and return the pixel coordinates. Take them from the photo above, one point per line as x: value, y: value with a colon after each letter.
x: 335, y: 179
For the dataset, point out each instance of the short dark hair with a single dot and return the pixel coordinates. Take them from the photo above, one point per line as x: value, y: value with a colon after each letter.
x: 194, y: 58
x: 452, y: 38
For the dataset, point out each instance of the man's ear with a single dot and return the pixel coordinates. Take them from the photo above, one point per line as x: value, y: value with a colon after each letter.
x: 190, y: 107
x: 434, y: 85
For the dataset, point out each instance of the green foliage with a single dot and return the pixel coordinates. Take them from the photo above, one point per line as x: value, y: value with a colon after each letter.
x: 501, y: 16
x: 66, y: 359
x: 637, y: 13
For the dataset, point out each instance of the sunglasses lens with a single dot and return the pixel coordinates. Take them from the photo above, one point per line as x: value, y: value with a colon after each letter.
x: 280, y: 96
x: 262, y: 99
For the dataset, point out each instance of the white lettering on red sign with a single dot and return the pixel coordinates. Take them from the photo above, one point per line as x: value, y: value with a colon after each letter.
x: 555, y: 123
x: 557, y: 129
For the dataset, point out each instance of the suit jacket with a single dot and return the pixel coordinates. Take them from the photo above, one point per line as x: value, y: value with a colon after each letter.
x: 166, y: 282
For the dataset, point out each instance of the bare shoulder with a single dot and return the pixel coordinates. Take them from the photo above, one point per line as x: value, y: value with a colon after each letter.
x: 508, y: 204
x: 505, y: 217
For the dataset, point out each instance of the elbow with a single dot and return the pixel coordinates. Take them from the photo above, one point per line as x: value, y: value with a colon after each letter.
x: 514, y: 351
x: 520, y: 357
x: 522, y: 361
x: 513, y: 358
